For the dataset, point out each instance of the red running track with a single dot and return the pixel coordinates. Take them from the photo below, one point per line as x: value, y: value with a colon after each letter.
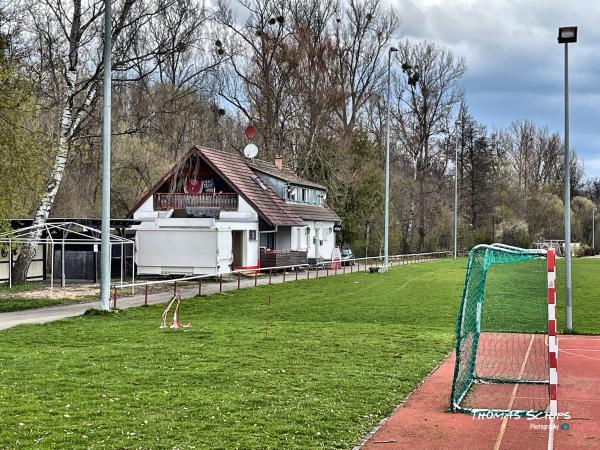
x: 424, y: 422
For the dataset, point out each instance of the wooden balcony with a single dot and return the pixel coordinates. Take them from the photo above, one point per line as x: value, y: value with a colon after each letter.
x: 225, y: 201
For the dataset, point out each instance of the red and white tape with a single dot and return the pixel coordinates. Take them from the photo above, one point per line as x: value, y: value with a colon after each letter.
x: 552, y: 339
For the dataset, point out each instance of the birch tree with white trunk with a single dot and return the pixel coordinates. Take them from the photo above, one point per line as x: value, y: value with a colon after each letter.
x: 69, y: 36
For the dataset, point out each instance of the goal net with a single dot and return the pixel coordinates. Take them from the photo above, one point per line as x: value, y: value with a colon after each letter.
x: 504, y: 347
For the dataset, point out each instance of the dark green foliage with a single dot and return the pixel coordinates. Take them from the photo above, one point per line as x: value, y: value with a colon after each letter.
x: 362, y: 200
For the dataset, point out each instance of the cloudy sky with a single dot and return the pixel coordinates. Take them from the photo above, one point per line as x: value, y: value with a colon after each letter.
x: 515, y: 65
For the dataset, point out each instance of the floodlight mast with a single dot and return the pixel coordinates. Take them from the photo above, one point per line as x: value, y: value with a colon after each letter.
x: 567, y: 35
x: 106, y: 247
x: 456, y: 200
x: 386, y: 218
x: 593, y: 231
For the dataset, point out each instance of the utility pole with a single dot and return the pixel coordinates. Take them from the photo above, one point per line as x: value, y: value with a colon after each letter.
x: 106, y: 247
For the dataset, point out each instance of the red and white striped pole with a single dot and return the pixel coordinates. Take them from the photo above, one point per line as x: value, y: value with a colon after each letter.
x: 552, y: 339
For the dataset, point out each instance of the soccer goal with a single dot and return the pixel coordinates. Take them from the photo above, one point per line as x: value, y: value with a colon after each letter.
x: 506, y: 347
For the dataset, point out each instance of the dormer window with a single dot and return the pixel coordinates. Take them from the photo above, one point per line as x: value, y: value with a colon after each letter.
x: 290, y: 193
x: 260, y: 183
x: 304, y: 195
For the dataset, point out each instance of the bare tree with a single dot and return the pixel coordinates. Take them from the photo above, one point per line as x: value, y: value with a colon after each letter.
x: 423, y: 112
x: 362, y: 35
x: 69, y: 37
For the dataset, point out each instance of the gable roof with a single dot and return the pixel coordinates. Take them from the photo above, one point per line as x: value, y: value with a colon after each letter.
x: 235, y: 170
x: 160, y: 182
x: 285, y: 173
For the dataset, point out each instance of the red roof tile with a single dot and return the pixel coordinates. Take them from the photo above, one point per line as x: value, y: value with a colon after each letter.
x: 313, y: 212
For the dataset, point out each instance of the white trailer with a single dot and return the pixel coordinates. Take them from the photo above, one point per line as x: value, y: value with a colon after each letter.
x: 182, y: 247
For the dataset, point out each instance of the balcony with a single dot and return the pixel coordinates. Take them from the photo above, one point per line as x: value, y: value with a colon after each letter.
x: 225, y: 201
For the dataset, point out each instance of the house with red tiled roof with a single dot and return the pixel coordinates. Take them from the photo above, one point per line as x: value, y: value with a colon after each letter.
x: 214, y: 211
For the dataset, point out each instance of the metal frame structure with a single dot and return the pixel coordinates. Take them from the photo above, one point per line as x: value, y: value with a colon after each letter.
x: 457, y: 395
x: 82, y: 235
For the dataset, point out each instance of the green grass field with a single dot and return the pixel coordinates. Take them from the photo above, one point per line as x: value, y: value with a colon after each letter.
x: 340, y: 354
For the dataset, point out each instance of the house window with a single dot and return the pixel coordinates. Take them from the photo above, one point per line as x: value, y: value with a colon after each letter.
x: 252, y: 235
x: 290, y: 193
x: 304, y: 195
x: 260, y: 183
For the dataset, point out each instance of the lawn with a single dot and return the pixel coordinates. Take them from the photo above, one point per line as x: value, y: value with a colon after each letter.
x: 340, y: 353
x: 585, y: 274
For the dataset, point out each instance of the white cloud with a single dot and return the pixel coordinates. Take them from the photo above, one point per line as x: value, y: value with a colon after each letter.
x: 515, y: 64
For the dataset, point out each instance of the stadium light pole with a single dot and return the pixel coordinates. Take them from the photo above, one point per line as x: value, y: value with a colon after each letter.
x: 567, y: 35
x: 455, y: 201
x: 106, y: 248
x: 593, y: 231
x: 386, y: 215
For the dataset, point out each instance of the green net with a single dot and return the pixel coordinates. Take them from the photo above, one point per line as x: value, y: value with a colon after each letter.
x: 501, y: 332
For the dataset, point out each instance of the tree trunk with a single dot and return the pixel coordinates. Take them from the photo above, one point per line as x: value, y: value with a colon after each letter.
x: 28, y: 251
x: 422, y: 207
x: 411, y: 212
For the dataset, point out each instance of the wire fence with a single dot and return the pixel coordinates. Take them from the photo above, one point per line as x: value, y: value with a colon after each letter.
x: 250, y: 277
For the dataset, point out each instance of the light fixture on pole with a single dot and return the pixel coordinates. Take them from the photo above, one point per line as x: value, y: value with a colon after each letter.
x: 567, y: 35
x: 106, y: 247
x: 386, y: 218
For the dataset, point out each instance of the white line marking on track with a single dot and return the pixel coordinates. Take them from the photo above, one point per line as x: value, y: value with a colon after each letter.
x: 581, y: 356
x: 512, y: 397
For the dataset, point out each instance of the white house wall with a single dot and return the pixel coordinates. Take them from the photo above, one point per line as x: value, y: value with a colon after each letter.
x: 298, y: 239
x: 319, y: 230
x: 146, y: 210
x: 250, y: 247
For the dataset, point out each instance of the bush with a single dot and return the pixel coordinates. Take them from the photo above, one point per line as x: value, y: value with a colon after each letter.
x: 582, y: 250
x: 515, y: 233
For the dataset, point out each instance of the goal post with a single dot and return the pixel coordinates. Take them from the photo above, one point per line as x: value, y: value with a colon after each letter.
x: 506, y: 343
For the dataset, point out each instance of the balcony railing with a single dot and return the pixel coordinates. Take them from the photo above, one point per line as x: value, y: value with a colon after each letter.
x: 225, y: 201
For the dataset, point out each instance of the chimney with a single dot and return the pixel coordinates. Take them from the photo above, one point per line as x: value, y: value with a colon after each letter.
x: 279, y: 162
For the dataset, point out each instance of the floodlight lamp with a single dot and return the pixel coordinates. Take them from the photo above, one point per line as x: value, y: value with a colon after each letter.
x: 567, y: 35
